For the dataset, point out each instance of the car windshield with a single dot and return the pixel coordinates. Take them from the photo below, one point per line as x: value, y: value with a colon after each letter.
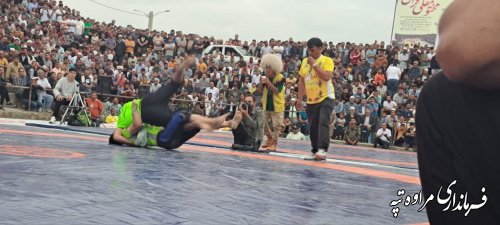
x: 243, y: 51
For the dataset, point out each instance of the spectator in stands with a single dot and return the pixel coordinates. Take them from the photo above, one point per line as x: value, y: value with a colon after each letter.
x: 393, y: 76
x: 32, y: 102
x: 383, y: 137
x: 362, y: 107
x: 352, y: 115
x: 95, y: 106
x: 184, y: 102
x: 409, y: 137
x: 4, y: 94
x: 296, y: 134
x: 352, y: 133
x: 155, y: 85
x: 340, y: 122
x: 351, y: 103
x: 212, y: 90
x: 44, y: 98
x: 112, y: 118
x: 389, y: 104
x: 198, y: 110
x: 368, y: 126
x: 64, y: 90
x: 13, y: 69
x: 407, y: 112
x: 112, y: 105
x: 400, y: 97
x: 414, y: 71
x: 400, y: 135
x: 392, y: 120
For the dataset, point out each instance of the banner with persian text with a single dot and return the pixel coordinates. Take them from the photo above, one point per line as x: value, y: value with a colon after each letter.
x: 417, y: 21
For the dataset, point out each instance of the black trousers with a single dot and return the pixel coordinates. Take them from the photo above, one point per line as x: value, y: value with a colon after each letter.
x: 179, y: 137
x: 4, y: 95
x: 384, y: 144
x: 154, y: 107
x: 243, y: 141
x: 155, y: 111
x: 410, y: 141
x: 319, y: 119
x: 57, y: 108
x: 365, y: 133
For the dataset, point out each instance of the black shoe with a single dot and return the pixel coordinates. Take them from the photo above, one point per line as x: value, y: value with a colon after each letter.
x: 375, y: 146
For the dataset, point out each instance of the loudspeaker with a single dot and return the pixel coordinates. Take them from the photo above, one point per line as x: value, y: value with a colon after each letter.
x: 143, y: 91
x: 104, y: 84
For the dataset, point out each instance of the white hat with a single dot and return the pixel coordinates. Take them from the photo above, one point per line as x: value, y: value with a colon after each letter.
x: 293, y: 99
x: 119, y: 67
x: 352, y: 107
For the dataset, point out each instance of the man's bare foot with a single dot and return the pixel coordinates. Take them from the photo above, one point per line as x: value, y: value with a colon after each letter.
x: 208, y: 123
x: 178, y: 76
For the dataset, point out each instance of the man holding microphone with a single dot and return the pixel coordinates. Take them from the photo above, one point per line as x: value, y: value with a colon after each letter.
x: 316, y: 72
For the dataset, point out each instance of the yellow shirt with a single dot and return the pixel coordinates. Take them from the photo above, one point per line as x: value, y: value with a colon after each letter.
x: 317, y: 90
x: 203, y: 67
x: 129, y: 46
x: 4, y: 63
x: 111, y: 119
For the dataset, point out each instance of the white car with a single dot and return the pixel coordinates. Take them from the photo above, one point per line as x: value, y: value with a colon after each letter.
x: 227, y: 50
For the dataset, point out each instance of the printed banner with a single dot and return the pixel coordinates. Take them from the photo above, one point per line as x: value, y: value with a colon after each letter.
x: 417, y: 21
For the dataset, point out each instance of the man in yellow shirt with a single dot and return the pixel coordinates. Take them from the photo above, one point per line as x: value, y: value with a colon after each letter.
x: 13, y: 69
x: 3, y: 61
x: 112, y: 118
x: 203, y: 66
x: 316, y: 72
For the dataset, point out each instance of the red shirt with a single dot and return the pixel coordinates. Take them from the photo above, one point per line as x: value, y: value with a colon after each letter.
x: 379, y: 77
x: 355, y: 57
x: 95, y: 107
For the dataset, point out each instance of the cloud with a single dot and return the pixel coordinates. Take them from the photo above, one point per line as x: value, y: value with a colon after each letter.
x: 332, y: 20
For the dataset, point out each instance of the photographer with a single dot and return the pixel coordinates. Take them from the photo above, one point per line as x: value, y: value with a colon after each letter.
x: 64, y: 90
x: 249, y: 133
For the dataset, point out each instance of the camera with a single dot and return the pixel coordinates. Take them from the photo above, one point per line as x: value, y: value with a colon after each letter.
x: 244, y: 106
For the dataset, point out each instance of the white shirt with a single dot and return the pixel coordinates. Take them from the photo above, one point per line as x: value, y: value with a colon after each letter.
x: 44, y: 83
x: 214, y: 91
x: 429, y: 57
x: 299, y: 136
x: 208, y: 106
x: 278, y: 50
x: 393, y: 73
x: 293, y: 112
x: 153, y: 88
x: 367, y: 121
x: 256, y: 79
x: 381, y: 132
x: 265, y: 50
x: 390, y: 105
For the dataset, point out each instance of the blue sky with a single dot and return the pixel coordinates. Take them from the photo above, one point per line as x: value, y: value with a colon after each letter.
x: 332, y: 20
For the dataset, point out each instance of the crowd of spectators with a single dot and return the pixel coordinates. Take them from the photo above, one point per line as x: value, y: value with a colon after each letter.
x: 376, y: 85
